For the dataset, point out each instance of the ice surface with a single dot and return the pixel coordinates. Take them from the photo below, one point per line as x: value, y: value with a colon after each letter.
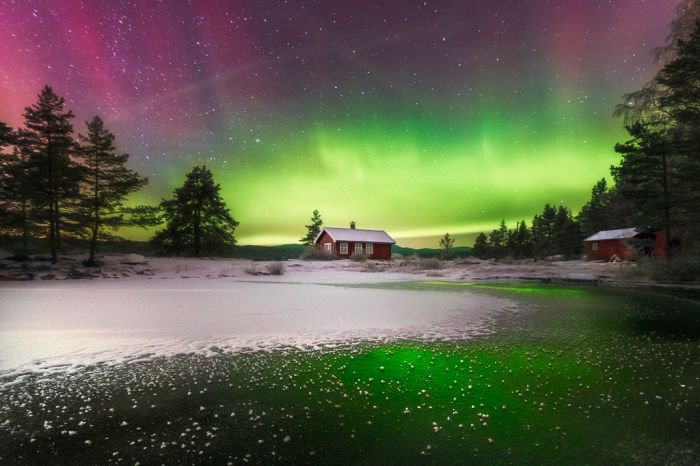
x: 50, y: 326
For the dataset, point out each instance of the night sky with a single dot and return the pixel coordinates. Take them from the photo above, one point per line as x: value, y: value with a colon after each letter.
x: 418, y: 117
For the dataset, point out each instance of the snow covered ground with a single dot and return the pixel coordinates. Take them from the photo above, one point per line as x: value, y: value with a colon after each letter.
x: 63, y: 325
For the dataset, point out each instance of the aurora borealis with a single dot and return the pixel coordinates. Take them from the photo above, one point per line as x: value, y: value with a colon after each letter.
x: 418, y: 117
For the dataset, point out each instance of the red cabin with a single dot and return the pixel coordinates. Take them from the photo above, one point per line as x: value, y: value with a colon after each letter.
x: 343, y: 242
x: 624, y: 244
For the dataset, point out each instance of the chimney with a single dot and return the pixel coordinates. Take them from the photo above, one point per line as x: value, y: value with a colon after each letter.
x: 352, y: 225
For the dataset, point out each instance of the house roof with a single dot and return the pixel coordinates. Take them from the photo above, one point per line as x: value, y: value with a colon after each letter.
x: 623, y: 233
x: 356, y: 235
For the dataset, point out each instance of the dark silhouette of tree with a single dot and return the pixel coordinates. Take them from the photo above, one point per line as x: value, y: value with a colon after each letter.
x: 520, y: 241
x: 567, y: 235
x: 593, y: 215
x: 48, y: 144
x: 106, y: 183
x: 482, y: 248
x: 15, y: 195
x: 6, y: 135
x: 543, y: 232
x: 681, y: 102
x: 446, y: 244
x: 9, y: 162
x: 554, y: 232
x: 197, y: 219
x: 498, y: 241
x: 313, y: 229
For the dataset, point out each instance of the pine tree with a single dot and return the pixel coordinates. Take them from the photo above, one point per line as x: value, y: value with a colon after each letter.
x: 106, y: 183
x: 661, y: 164
x: 6, y: 135
x: 593, y: 215
x: 543, y: 232
x: 15, y: 195
x: 498, y: 240
x: 522, y: 246
x: 48, y: 143
x: 481, y: 248
x: 196, y: 217
x: 681, y: 78
x: 446, y: 244
x: 566, y: 234
x: 313, y: 229
x: 644, y: 175
x: 8, y: 162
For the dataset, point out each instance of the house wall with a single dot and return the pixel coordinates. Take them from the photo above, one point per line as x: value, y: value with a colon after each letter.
x: 324, y: 239
x: 659, y: 245
x: 380, y: 251
x: 607, y: 248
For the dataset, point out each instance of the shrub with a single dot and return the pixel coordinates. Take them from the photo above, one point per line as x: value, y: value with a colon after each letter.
x: 315, y: 254
x: 276, y: 268
x: 431, y: 263
x: 252, y: 269
x: 371, y: 267
x: 358, y: 257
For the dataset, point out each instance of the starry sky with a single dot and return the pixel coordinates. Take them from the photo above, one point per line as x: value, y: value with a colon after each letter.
x: 418, y: 117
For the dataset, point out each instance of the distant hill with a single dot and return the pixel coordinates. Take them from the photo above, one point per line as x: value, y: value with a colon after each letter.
x: 460, y: 251
x: 269, y: 253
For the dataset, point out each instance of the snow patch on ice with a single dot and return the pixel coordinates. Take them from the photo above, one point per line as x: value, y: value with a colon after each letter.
x: 58, y: 327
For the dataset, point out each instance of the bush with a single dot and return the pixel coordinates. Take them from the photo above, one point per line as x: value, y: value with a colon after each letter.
x: 252, y: 269
x: 358, y: 257
x: 313, y: 254
x: 371, y: 267
x: 431, y: 263
x: 276, y: 268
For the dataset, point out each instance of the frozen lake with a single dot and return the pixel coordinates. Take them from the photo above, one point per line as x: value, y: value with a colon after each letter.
x: 47, y: 326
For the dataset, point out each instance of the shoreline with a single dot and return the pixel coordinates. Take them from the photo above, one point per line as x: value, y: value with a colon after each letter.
x: 136, y: 267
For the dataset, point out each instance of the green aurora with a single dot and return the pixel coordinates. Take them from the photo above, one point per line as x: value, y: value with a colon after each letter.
x: 415, y: 177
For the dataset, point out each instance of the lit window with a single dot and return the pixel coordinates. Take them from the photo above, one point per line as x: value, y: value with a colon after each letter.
x: 358, y: 248
x: 328, y: 247
x: 594, y: 246
x: 369, y: 248
x: 343, y: 248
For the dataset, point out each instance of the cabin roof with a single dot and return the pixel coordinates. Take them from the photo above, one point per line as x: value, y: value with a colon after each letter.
x: 356, y: 235
x: 622, y: 233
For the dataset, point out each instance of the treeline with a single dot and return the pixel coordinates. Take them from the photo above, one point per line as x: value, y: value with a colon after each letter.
x: 553, y: 232
x: 56, y: 185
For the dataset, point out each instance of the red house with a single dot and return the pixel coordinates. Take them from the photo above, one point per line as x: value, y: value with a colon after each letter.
x: 624, y: 244
x: 343, y: 242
